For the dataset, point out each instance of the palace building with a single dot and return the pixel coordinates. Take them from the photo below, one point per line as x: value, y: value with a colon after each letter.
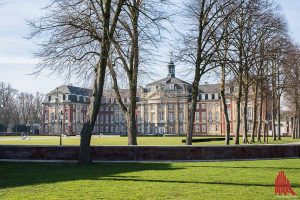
x: 162, y: 108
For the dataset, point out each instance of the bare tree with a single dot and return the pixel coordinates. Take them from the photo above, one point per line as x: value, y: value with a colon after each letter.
x: 29, y: 107
x: 199, y: 43
x: 138, y: 32
x: 292, y: 85
x: 77, y: 41
x: 7, y: 104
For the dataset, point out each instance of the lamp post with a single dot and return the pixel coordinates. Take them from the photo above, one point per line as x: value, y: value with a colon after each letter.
x: 61, y: 117
x: 2, y: 106
x: 28, y: 126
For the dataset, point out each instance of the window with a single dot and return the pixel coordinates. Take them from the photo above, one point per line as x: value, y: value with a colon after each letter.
x: 210, y: 116
x: 171, y: 129
x: 171, y: 117
x: 249, y: 113
x: 197, y: 106
x: 111, y: 108
x: 206, y: 96
x: 203, y: 116
x: 52, y: 117
x: 52, y: 128
x: 49, y: 98
x: 112, y: 129
x: 229, y: 113
x: 217, y: 116
x: 161, y: 115
x: 117, y: 129
x: 197, y: 116
x: 227, y: 101
x: 64, y: 97
x: 217, y: 127
x: 203, y: 106
x: 112, y: 119
x: 74, y: 116
x: 197, y: 128
x: 46, y: 116
x: 217, y: 95
x: 181, y: 116
x: 106, y: 119
x: 203, y: 128
x: 213, y: 96
x: 106, y: 108
x: 199, y: 97
x: 66, y: 116
x: 171, y: 87
x: 170, y: 106
x: 181, y: 129
x: 181, y: 106
x: 106, y: 129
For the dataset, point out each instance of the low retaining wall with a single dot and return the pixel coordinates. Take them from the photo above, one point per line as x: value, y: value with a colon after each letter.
x: 151, y: 153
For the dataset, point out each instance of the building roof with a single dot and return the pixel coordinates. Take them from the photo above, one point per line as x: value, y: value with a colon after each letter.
x: 123, y: 92
x: 68, y: 89
x: 209, y: 88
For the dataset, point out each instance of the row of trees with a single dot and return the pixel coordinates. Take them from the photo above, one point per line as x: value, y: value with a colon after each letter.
x: 247, y: 42
x: 18, y: 108
x: 244, y: 40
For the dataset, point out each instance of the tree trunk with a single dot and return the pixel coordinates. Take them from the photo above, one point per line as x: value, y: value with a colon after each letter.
x: 238, y: 111
x: 131, y: 121
x: 87, y: 129
x: 266, y: 131
x: 100, y: 70
x: 273, y: 102
x: 254, y: 128
x: 296, y: 119
x: 227, y: 134
x: 189, y: 136
x: 260, y: 115
x: 278, y: 117
x: 245, y: 120
x: 273, y: 118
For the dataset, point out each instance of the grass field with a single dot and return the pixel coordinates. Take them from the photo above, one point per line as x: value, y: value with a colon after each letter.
x: 115, y: 140
x: 198, y: 180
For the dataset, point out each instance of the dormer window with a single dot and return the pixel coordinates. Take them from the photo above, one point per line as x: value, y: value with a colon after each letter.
x: 171, y: 87
x: 49, y: 98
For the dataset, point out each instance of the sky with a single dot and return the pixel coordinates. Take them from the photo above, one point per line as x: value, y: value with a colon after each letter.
x: 17, y: 59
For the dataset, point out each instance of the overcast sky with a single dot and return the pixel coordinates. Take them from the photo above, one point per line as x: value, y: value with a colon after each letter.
x: 16, y: 52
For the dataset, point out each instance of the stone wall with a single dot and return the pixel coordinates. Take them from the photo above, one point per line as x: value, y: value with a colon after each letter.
x: 151, y: 153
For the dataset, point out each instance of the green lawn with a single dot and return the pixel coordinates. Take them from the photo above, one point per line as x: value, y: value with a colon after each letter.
x: 115, y: 140
x: 179, y: 180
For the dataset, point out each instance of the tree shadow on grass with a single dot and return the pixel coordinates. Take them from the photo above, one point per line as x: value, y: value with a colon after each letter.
x: 24, y: 174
